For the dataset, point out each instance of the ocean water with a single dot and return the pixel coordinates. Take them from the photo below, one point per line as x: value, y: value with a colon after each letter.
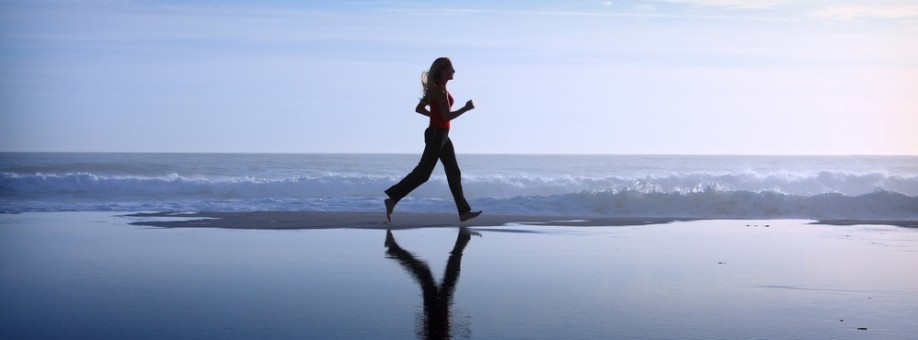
x: 809, y: 187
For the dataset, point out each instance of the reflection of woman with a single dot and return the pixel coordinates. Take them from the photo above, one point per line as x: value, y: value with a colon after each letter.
x: 437, y: 299
x: 437, y: 144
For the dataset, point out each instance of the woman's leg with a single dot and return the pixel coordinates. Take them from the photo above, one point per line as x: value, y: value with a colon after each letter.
x: 433, y: 140
x: 454, y: 176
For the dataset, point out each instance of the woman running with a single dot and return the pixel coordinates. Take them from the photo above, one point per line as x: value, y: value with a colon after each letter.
x: 436, y: 104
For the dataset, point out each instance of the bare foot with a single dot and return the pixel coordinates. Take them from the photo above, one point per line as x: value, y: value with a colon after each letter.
x: 468, y: 216
x: 390, y: 206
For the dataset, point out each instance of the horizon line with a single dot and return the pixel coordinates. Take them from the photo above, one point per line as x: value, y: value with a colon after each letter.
x: 462, y: 153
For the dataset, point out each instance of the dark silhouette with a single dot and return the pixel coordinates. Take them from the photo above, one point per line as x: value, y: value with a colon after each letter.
x: 437, y: 299
x: 437, y: 145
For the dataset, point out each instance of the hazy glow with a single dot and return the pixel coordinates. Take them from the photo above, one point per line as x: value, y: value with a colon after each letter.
x: 669, y: 77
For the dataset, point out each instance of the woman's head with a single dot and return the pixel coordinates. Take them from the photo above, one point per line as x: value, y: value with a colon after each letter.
x: 440, y: 71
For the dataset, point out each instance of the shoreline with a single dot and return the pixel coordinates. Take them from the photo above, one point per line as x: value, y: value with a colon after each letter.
x: 294, y: 220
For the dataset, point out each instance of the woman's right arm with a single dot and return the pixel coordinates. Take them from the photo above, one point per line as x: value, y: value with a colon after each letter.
x: 422, y: 108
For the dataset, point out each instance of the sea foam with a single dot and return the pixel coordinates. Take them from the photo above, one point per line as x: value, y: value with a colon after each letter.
x: 713, y: 194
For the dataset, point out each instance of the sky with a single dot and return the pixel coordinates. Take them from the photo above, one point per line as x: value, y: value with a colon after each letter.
x: 811, y: 77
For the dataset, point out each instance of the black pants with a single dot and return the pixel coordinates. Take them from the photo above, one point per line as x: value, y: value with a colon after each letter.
x: 437, y: 147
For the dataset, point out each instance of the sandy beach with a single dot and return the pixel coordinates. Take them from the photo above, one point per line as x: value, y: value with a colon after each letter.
x: 376, y: 220
x: 312, y: 275
x: 367, y: 220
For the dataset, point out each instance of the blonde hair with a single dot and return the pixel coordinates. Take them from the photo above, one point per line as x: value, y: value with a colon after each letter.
x: 434, y: 75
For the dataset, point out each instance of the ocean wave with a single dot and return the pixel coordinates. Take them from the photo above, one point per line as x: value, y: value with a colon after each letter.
x: 881, y: 205
x: 825, y: 195
x: 496, y: 186
x: 89, y: 184
x: 717, y: 204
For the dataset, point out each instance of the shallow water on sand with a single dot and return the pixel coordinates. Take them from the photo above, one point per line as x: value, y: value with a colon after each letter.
x: 91, y: 275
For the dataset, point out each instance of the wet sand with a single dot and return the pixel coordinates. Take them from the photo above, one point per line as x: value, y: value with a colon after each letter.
x: 342, y: 276
x: 367, y: 220
x: 377, y: 220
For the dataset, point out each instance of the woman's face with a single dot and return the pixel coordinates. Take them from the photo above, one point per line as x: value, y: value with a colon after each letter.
x: 447, y: 72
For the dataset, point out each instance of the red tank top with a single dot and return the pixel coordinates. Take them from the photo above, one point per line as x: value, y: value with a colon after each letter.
x: 436, y: 119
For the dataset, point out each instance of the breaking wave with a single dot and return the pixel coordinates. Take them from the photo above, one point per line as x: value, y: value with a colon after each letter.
x: 822, y: 195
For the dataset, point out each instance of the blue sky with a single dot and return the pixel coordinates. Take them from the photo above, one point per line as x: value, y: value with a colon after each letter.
x: 617, y: 77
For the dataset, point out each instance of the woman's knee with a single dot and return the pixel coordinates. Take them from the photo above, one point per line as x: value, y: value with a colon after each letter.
x: 423, y: 172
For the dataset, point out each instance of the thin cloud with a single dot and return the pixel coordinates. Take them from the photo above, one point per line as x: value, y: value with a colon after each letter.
x: 831, y: 10
x: 851, y: 12
x: 733, y: 4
